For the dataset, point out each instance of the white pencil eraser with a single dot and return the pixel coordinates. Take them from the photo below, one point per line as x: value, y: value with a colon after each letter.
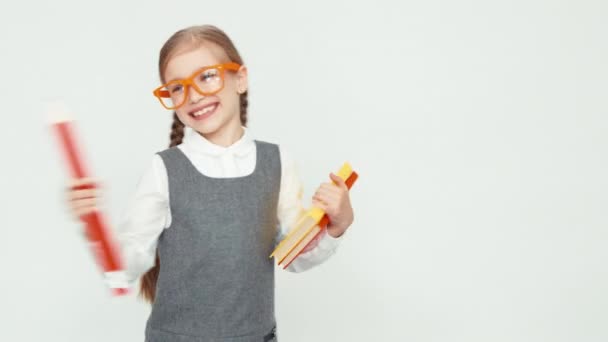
x: 57, y: 112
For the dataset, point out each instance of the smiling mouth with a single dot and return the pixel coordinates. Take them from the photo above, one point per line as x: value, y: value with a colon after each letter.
x: 204, y: 112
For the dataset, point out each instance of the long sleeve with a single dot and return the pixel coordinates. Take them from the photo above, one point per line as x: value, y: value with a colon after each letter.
x: 290, y: 208
x: 145, y: 218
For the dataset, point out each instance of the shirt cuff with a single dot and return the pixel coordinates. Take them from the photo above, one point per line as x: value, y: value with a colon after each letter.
x: 328, y: 242
x: 116, y: 280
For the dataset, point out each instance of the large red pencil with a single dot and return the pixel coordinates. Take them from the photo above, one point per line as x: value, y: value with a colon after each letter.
x: 103, y: 246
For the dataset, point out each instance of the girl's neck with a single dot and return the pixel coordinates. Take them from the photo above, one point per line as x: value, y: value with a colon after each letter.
x: 225, y: 137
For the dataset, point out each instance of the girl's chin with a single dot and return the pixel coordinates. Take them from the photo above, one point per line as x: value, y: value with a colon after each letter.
x: 208, y: 128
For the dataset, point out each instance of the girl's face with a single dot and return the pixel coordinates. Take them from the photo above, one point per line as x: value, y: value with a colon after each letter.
x: 215, y: 115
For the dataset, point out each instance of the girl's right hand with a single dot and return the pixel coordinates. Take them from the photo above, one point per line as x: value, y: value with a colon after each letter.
x: 82, y: 196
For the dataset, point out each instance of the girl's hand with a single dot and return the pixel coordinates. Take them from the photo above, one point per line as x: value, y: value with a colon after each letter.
x: 334, y: 199
x: 83, y: 201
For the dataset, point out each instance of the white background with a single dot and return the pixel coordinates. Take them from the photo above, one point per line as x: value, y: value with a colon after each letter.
x: 478, y: 129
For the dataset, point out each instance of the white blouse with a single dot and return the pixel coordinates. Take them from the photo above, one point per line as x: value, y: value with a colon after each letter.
x: 149, y: 213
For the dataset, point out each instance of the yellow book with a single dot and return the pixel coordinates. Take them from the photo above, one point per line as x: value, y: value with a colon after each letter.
x: 314, y: 232
x: 305, y: 224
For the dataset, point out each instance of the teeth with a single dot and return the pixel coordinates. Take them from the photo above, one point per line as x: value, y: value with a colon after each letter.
x: 204, y: 110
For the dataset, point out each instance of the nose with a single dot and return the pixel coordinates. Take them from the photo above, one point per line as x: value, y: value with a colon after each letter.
x: 194, y: 95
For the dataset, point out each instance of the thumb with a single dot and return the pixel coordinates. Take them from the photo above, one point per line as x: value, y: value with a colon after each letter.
x: 338, y: 181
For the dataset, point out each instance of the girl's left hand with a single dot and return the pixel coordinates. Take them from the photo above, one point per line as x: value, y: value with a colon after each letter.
x: 335, y: 201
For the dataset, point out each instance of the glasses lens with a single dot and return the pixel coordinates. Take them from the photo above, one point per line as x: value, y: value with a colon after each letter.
x: 209, y: 81
x: 177, y: 94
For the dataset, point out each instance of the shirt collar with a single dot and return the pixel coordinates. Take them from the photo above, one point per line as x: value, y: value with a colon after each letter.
x: 196, y: 143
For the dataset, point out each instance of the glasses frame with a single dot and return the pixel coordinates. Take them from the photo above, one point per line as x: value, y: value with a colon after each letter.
x: 188, y: 83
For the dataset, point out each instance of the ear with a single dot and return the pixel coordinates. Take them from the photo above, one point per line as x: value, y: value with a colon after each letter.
x: 242, y: 82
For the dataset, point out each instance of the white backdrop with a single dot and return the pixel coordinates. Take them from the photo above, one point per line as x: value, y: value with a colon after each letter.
x: 478, y: 129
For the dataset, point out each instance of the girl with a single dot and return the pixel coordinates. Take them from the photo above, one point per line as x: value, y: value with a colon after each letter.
x: 210, y: 209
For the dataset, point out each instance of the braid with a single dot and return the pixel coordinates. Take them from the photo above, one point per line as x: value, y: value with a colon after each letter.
x: 149, y: 279
x: 244, y: 103
x: 177, y: 131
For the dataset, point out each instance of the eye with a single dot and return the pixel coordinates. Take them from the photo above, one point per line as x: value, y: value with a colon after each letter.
x: 176, y: 88
x: 209, y: 75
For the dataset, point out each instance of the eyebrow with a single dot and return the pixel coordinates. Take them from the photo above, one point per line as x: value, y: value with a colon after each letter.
x: 195, y: 70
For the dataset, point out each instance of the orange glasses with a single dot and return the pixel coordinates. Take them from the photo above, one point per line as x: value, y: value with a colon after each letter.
x: 206, y: 81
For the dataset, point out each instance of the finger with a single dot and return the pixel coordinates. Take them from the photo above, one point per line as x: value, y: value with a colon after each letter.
x: 336, y: 187
x: 79, y: 194
x: 330, y: 205
x: 81, y: 181
x: 319, y: 204
x: 333, y: 188
x: 338, y: 181
x: 78, y: 183
x: 84, y: 211
x: 328, y: 196
x: 84, y: 203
